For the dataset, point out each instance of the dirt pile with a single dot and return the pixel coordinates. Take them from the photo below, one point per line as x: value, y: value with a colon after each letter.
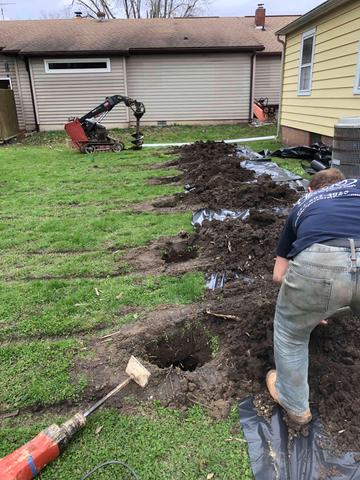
x: 216, y: 180
x: 244, y: 312
x: 239, y: 248
x: 245, y: 247
x: 335, y: 378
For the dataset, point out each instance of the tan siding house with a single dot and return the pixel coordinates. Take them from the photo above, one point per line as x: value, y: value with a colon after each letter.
x: 185, y: 70
x: 321, y: 66
x: 191, y: 88
x: 59, y: 96
x: 268, y: 78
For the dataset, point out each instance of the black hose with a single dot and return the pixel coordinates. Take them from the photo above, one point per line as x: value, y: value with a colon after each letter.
x: 112, y: 462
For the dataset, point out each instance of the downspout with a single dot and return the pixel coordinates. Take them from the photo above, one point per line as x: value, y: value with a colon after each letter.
x: 126, y: 90
x: 27, y: 65
x: 252, y: 72
x: 19, y: 91
x: 283, y: 42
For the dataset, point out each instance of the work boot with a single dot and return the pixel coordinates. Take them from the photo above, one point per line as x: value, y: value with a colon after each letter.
x: 270, y: 383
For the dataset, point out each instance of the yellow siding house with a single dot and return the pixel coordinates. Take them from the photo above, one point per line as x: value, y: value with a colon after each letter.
x: 321, y: 72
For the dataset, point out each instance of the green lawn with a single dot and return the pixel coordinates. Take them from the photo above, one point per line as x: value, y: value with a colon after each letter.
x: 60, y: 307
x: 171, y: 134
x: 66, y: 222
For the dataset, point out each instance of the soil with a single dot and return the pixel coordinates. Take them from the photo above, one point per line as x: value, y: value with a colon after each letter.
x: 216, y: 180
x: 219, y: 350
x: 241, y: 247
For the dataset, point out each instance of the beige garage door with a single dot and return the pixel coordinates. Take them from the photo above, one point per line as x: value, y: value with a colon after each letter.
x: 191, y: 87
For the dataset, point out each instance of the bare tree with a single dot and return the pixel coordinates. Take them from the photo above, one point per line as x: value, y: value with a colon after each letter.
x: 92, y: 7
x: 174, y: 8
x: 142, y: 8
x: 132, y: 8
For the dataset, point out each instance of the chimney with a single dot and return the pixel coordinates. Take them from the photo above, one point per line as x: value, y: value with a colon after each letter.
x: 78, y: 14
x: 260, y: 16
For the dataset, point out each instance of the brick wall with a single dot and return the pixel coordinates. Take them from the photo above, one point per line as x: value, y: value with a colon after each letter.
x: 293, y: 136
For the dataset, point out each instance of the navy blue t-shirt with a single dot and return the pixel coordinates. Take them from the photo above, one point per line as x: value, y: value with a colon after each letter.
x: 326, y: 214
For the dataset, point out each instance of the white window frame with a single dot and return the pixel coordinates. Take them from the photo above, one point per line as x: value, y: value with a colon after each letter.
x: 9, y: 80
x: 357, y: 76
x: 77, y: 70
x: 305, y: 36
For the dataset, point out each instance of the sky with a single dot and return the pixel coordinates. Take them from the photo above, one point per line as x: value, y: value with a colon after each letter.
x: 25, y: 9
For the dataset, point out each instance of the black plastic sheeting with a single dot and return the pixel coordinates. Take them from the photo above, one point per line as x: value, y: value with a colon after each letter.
x: 249, y: 154
x: 274, y: 457
x: 207, y: 214
x: 278, y: 174
x: 317, y: 151
x: 318, y: 154
x: 218, y: 279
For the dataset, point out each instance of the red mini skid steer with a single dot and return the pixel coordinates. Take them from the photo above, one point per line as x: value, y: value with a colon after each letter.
x: 88, y: 135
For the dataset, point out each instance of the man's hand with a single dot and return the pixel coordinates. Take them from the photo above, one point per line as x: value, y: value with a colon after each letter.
x: 280, y: 268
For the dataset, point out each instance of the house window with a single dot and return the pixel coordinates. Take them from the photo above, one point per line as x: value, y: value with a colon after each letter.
x: 357, y: 77
x: 5, y: 83
x: 306, y: 62
x: 77, y: 65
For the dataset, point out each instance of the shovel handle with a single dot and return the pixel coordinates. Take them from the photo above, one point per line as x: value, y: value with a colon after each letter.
x: 110, y: 394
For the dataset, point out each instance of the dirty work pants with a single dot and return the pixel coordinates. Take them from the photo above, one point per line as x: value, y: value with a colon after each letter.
x: 319, y: 281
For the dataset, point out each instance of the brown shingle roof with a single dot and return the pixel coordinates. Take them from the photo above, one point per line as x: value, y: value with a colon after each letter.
x: 272, y: 24
x: 87, y: 35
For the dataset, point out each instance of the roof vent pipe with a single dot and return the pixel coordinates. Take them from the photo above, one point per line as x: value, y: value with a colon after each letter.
x: 260, y: 16
x: 78, y: 14
x: 100, y: 16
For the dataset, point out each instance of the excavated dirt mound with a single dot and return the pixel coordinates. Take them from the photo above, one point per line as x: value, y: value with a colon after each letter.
x: 335, y: 378
x: 244, y: 247
x: 216, y: 180
x: 236, y: 196
x: 235, y: 246
x: 181, y: 250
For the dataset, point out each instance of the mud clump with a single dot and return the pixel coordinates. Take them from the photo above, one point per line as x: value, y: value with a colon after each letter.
x: 180, y: 251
